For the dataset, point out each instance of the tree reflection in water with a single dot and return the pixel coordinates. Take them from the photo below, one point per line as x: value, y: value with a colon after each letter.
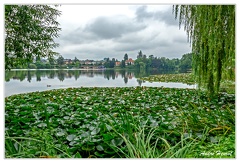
x: 65, y: 74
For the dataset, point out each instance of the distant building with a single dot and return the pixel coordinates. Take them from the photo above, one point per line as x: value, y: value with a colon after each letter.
x: 88, y: 62
x: 130, y: 61
x: 82, y: 62
x: 117, y: 63
x: 68, y: 61
x: 99, y: 62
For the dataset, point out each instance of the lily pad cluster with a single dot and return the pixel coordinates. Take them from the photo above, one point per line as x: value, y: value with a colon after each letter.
x: 187, y: 78
x: 86, y: 119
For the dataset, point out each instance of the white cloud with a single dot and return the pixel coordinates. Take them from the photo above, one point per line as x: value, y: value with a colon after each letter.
x: 99, y: 31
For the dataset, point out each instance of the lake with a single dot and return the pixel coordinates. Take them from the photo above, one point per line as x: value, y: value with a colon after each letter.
x: 24, y: 81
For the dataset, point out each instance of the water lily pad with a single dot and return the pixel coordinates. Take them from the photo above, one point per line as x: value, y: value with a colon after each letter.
x: 116, y: 141
x: 213, y: 139
x: 66, y: 117
x: 99, y: 147
x: 169, y: 110
x: 95, y: 131
x: 187, y: 135
x: 60, y: 133
x: 91, y: 128
x: 42, y: 125
x: 88, y: 148
x: 72, y: 143
x: 99, y: 155
x: 85, y: 134
x: 71, y: 137
x: 108, y: 127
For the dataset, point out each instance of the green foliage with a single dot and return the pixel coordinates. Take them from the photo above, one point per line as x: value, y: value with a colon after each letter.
x: 32, y: 66
x: 139, y: 144
x: 223, y: 148
x: 40, y: 65
x: 187, y: 78
x: 144, y: 63
x: 86, y: 122
x: 123, y: 64
x: 185, y: 63
x: 30, y: 31
x: 125, y: 57
x: 109, y: 63
x: 140, y: 54
x: 60, y: 60
x: 41, y: 146
x: 211, y: 31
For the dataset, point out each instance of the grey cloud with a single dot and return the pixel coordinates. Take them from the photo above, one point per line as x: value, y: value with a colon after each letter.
x: 113, y: 36
x: 78, y: 36
x: 165, y: 16
x: 102, y: 28
x: 113, y: 27
x: 180, y: 39
x: 142, y: 13
x: 141, y: 45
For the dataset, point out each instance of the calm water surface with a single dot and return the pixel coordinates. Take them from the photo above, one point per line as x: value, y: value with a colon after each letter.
x: 24, y: 81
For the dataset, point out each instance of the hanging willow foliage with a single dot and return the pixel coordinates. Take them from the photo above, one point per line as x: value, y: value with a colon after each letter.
x: 211, y: 32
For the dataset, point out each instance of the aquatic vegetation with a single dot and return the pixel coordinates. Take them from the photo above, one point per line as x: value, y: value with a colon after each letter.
x: 187, y: 78
x: 99, y: 122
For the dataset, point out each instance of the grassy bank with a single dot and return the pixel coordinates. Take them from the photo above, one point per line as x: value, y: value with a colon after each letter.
x: 142, y: 122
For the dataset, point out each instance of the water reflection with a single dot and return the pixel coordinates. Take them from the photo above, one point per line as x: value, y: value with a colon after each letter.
x: 23, y: 81
x: 66, y: 74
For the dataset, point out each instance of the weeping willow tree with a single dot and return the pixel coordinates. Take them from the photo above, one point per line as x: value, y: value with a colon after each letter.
x: 211, y: 32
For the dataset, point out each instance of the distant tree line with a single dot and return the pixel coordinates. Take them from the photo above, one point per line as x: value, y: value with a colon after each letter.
x: 161, y: 63
x: 145, y: 63
x: 142, y: 63
x: 110, y: 63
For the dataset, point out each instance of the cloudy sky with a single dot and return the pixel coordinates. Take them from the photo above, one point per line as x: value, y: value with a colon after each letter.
x: 99, y: 31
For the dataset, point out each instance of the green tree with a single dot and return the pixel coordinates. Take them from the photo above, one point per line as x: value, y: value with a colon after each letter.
x: 32, y: 66
x: 185, y: 62
x: 75, y: 60
x: 151, y: 57
x: 38, y: 59
x: 140, y: 54
x: 142, y: 66
x: 125, y: 57
x: 76, y: 63
x: 40, y: 65
x: 112, y: 63
x: 123, y: 64
x: 60, y: 61
x: 30, y: 31
x: 47, y: 65
x: 211, y: 31
x: 52, y: 62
